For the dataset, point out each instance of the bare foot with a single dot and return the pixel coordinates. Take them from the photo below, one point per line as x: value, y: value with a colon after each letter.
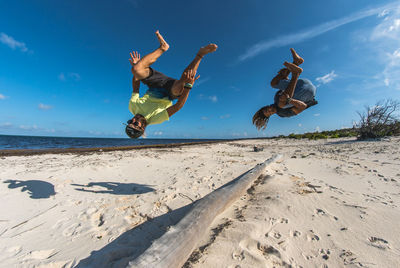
x: 207, y: 49
x: 296, y: 58
x: 163, y: 44
x: 293, y: 67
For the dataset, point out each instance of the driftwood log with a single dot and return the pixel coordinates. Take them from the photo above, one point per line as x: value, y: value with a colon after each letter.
x: 175, y: 246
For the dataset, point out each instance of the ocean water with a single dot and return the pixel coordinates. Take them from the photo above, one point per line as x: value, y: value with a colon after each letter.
x: 8, y: 142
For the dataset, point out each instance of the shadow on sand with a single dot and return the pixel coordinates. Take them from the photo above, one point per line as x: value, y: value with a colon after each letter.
x: 36, y: 189
x: 131, y: 244
x: 116, y: 188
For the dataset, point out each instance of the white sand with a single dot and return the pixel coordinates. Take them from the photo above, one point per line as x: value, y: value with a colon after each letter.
x: 335, y: 204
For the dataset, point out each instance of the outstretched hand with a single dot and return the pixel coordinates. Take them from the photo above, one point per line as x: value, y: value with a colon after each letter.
x: 189, y: 76
x: 135, y: 57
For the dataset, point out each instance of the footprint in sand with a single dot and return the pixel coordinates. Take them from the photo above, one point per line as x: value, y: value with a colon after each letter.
x: 238, y: 255
x: 72, y: 230
x: 284, y: 220
x: 294, y: 233
x: 268, y: 250
x: 321, y: 212
x: 311, y: 236
x: 378, y: 242
x: 272, y: 254
x: 324, y: 253
x: 274, y: 234
x: 97, y: 219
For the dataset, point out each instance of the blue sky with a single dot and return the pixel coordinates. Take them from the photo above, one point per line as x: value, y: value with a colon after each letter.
x: 64, y: 67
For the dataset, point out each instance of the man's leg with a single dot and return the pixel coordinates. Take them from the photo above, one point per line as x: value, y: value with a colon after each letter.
x: 284, y: 73
x: 177, y: 87
x: 141, y: 69
x: 289, y: 91
x: 297, y: 60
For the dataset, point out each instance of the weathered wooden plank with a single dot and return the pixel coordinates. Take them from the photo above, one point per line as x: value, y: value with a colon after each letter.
x: 175, y: 246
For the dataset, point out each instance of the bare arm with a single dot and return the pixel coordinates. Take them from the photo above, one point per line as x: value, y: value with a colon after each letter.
x: 282, y: 74
x: 299, y: 106
x: 179, y: 104
x: 135, y: 85
x: 189, y: 76
x: 135, y: 58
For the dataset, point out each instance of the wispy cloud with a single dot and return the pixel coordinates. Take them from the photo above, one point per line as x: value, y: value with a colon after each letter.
x: 204, y: 118
x: 61, y: 77
x: 158, y: 133
x: 326, y: 78
x: 212, y: 98
x: 6, y: 125
x: 12, y: 43
x: 384, y: 42
x: 44, y: 106
x: 225, y: 116
x: 2, y: 97
x: 69, y: 76
x: 202, y: 81
x: 303, y: 35
x: 316, y: 114
x: 25, y: 127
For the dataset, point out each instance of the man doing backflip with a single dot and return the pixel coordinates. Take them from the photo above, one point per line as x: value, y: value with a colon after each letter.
x: 156, y: 105
x: 293, y: 97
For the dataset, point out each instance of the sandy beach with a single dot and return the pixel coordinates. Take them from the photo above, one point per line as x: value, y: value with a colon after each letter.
x: 328, y: 203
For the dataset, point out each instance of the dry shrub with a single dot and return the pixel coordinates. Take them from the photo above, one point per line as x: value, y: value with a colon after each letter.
x: 380, y: 120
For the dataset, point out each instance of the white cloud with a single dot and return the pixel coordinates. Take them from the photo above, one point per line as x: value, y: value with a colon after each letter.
x: 383, y: 13
x: 326, y: 78
x: 225, y: 116
x: 317, y: 129
x: 42, y: 106
x: 24, y: 127
x: 70, y: 76
x: 384, y: 43
x: 235, y: 88
x: 74, y: 76
x: 158, y: 133
x: 12, y: 43
x: 61, y: 76
x: 6, y: 125
x: 204, y: 118
x: 213, y: 98
x: 300, y: 125
x: 202, y: 81
x: 316, y: 114
x: 2, y: 97
x: 303, y: 35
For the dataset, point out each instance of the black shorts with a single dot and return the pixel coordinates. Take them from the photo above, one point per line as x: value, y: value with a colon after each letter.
x: 159, y: 80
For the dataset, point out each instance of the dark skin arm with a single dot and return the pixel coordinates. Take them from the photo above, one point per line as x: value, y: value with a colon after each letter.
x: 282, y: 74
x: 299, y: 106
x: 189, y: 76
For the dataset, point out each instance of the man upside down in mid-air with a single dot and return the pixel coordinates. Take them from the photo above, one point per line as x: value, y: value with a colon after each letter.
x: 293, y: 97
x: 156, y: 105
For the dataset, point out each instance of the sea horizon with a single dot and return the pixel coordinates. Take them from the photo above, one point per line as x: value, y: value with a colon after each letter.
x: 18, y: 142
